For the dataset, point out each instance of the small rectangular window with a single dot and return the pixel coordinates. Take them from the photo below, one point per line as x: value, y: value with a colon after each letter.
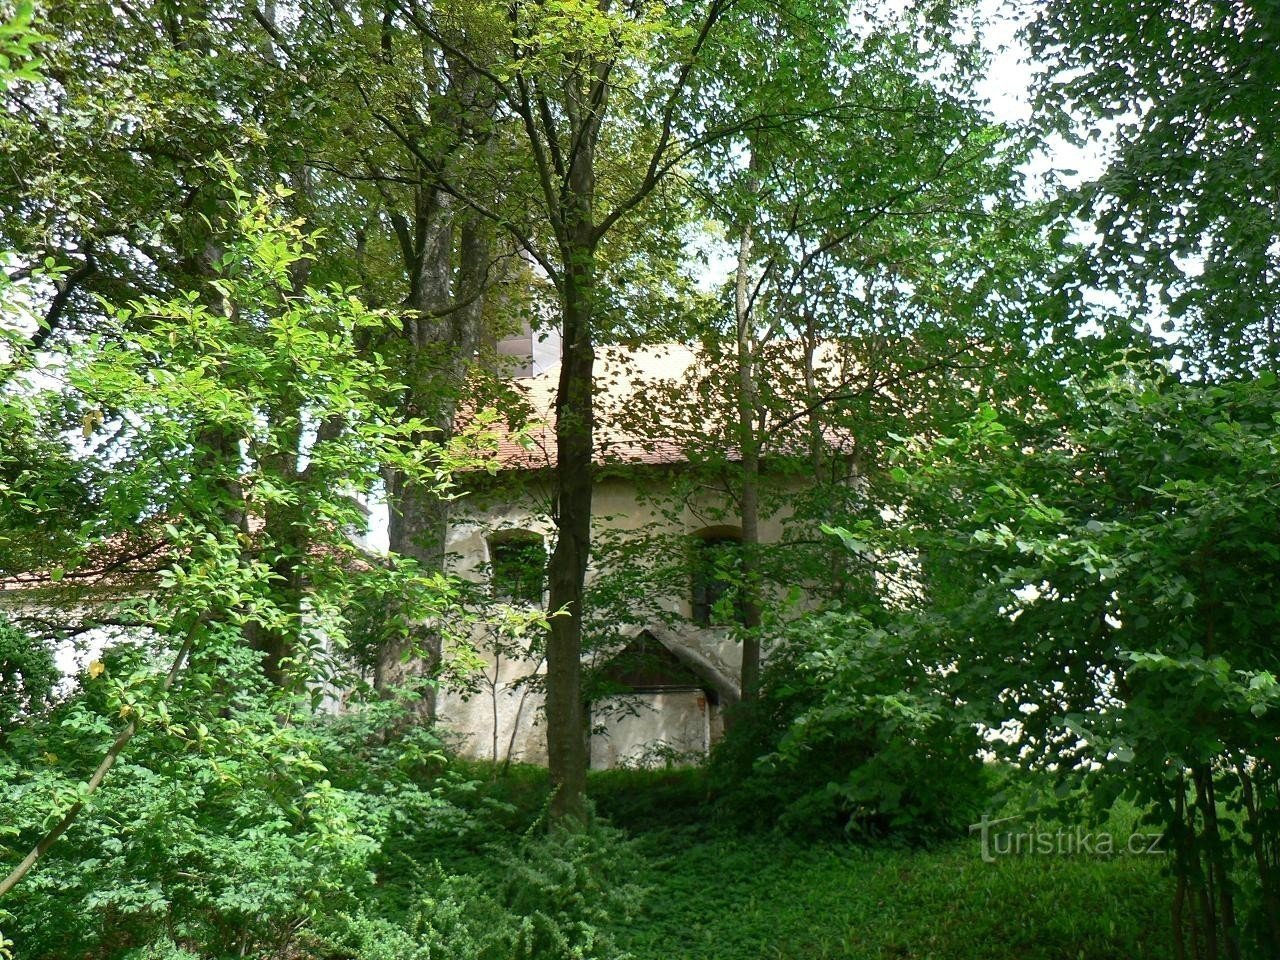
x: 518, y: 568
x: 715, y: 574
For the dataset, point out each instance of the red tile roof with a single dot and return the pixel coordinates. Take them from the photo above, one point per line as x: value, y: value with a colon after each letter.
x: 660, y: 404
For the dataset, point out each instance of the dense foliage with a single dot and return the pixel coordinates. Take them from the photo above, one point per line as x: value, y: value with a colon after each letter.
x: 1181, y: 93
x: 230, y: 831
x: 255, y: 827
x: 1097, y: 583
x: 222, y: 435
x: 853, y: 733
x: 1013, y: 563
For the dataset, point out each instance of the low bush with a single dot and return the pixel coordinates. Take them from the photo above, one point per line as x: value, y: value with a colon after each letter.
x: 553, y: 895
x: 226, y: 834
x: 256, y: 827
x: 850, y: 735
x: 643, y: 801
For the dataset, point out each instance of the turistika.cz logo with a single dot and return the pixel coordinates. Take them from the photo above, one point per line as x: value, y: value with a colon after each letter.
x: 1078, y: 841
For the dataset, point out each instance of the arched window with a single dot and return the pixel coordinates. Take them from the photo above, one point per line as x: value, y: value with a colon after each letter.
x: 518, y: 566
x: 716, y: 555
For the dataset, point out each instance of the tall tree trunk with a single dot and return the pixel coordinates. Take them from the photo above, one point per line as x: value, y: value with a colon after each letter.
x: 1219, y: 883
x: 749, y: 449
x: 284, y: 528
x: 222, y: 466
x: 446, y: 257
x: 585, y: 91
x: 567, y: 571
x: 442, y: 330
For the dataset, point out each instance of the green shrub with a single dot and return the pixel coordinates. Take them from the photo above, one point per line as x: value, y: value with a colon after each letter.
x: 850, y: 735
x: 225, y: 834
x: 642, y: 801
x: 258, y: 828
x: 555, y: 895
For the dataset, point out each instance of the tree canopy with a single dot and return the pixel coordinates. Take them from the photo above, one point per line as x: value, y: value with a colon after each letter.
x: 257, y: 261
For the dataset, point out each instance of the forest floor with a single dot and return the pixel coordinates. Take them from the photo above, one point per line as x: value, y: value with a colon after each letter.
x: 717, y: 894
x: 746, y: 899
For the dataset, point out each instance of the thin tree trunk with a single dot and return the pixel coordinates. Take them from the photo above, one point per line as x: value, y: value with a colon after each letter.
x: 1204, y: 875
x: 816, y: 445
x: 1185, y: 861
x: 749, y: 450
x: 585, y: 102
x: 1266, y: 869
x: 515, y: 721
x: 1219, y: 886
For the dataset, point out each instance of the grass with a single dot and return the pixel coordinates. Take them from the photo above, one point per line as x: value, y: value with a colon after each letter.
x: 724, y: 895
x: 758, y: 897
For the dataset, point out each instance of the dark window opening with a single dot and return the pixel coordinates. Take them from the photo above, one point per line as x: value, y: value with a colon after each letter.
x: 716, y: 599
x: 645, y: 665
x: 518, y: 564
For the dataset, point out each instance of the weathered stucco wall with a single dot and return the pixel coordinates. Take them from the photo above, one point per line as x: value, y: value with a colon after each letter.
x: 510, y: 710
x: 652, y: 728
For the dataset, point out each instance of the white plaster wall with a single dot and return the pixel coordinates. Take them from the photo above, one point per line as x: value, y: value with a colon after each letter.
x: 512, y: 710
x: 617, y: 505
x: 678, y: 721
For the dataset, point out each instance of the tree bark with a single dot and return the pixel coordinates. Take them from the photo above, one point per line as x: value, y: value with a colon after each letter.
x: 445, y: 253
x: 749, y: 450
x: 567, y: 571
x: 1267, y: 873
x: 443, y: 324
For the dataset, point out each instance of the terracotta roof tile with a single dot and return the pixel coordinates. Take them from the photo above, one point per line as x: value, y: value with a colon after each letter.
x: 633, y: 387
